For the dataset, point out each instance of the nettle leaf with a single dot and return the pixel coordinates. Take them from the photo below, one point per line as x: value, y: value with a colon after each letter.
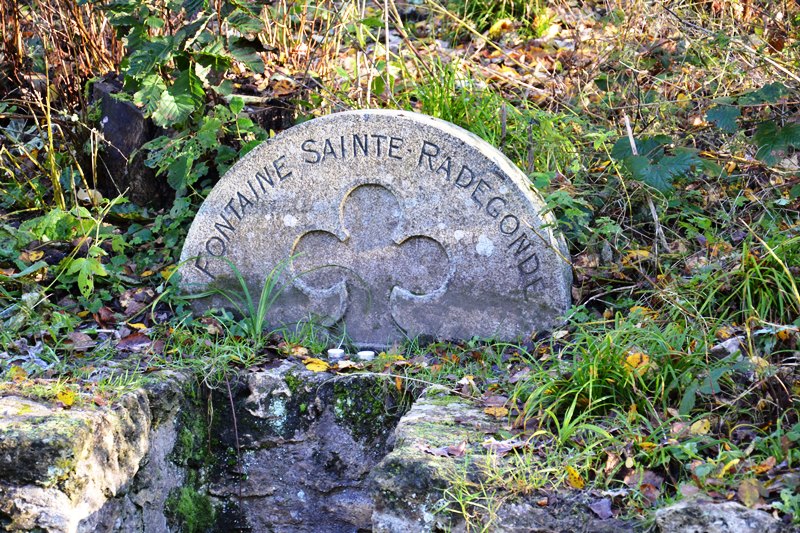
x: 179, y: 101
x: 773, y: 141
x: 178, y: 172
x: 144, y: 59
x: 724, y: 117
x: 152, y: 87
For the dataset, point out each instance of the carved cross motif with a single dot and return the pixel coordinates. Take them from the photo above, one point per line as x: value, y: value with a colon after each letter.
x: 370, y: 263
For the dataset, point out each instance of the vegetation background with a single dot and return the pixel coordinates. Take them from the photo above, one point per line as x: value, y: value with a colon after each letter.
x: 665, y: 136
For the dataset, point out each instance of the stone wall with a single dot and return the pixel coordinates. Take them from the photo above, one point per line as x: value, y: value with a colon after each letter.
x: 280, y: 449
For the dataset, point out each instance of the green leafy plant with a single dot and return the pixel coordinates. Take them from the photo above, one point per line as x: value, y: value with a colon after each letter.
x: 178, y: 49
x: 656, y: 162
x: 186, y: 157
x: 771, y: 139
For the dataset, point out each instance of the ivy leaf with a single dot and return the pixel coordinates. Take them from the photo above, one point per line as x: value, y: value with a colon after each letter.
x: 724, y: 116
x: 773, y: 141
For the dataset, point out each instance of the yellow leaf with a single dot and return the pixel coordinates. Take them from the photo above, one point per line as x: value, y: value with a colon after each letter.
x: 701, y: 427
x: 36, y: 255
x: 299, y: 351
x: 66, y: 397
x: 765, y: 466
x: 17, y: 373
x: 497, y: 412
x: 500, y: 27
x: 730, y: 464
x: 647, y: 446
x: 316, y: 365
x: 168, y: 271
x: 761, y: 365
x: 725, y: 333
x: 749, y: 492
x: 646, y: 311
x: 574, y: 479
x: 635, y: 256
x: 146, y: 274
x: 637, y: 362
x: 347, y: 364
x: 398, y: 383
x: 137, y: 325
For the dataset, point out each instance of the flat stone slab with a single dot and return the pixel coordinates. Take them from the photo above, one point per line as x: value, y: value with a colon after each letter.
x: 397, y: 225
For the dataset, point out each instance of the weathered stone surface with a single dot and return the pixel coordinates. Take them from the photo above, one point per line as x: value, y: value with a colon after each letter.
x: 697, y: 516
x: 88, y: 469
x: 121, y: 169
x: 398, y: 224
x: 409, y: 484
x: 308, y: 444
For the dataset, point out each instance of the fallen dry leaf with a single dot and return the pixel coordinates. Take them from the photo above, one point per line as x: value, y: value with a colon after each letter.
x: 764, y: 466
x: 637, y: 363
x: 502, y: 447
x: 457, y: 450
x: 213, y: 326
x: 495, y: 401
x: 602, y: 508
x: 749, y: 492
x: 66, y: 397
x: 79, y: 341
x: 347, y: 365
x: 701, y: 427
x: 135, y: 342
x: 299, y: 351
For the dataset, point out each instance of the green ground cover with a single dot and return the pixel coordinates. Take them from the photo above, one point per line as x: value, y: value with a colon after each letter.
x: 665, y: 138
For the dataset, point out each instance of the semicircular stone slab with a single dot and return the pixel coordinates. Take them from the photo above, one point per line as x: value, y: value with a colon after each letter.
x: 390, y: 224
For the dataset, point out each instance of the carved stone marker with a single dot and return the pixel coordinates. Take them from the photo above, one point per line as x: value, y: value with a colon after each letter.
x: 397, y: 225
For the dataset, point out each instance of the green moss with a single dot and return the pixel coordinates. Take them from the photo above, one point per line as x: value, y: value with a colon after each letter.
x: 192, y: 511
x: 444, y: 399
x: 191, y: 447
x: 293, y: 382
x: 366, y: 408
